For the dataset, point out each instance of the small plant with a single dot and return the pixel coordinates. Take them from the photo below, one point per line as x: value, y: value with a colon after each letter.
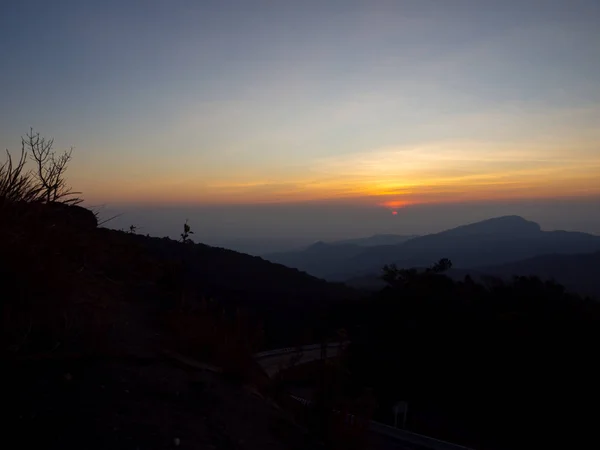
x: 132, y: 229
x: 16, y: 183
x: 185, y: 236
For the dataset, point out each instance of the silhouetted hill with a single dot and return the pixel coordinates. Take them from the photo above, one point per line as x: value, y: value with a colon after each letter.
x: 285, y: 299
x: 506, y: 225
x: 486, y: 243
x: 323, y: 259
x: 578, y: 273
x: 60, y: 248
x: 95, y: 323
x: 376, y: 239
x: 491, y: 242
x: 218, y: 272
x: 319, y: 259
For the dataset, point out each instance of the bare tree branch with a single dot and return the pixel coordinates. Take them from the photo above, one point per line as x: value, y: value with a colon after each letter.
x: 46, y: 182
x: 50, y: 168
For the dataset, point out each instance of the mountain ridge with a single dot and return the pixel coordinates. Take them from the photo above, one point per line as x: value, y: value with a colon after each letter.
x: 489, y: 242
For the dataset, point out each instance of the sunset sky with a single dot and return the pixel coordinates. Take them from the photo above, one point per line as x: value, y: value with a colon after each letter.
x: 378, y: 103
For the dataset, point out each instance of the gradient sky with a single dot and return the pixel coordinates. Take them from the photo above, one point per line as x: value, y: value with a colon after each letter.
x: 388, y: 103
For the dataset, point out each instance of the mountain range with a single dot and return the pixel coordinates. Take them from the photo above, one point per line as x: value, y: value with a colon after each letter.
x: 508, y: 245
x: 320, y: 258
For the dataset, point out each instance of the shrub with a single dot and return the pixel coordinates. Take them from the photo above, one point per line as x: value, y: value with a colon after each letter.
x: 46, y: 182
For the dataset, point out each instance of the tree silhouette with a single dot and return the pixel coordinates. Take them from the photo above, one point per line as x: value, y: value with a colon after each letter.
x: 489, y: 365
x: 441, y: 266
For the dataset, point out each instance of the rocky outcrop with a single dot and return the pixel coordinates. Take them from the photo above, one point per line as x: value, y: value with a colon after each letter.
x: 71, y: 215
x: 52, y: 214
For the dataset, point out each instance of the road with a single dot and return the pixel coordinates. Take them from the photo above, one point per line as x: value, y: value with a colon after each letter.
x: 275, y: 360
x: 382, y: 437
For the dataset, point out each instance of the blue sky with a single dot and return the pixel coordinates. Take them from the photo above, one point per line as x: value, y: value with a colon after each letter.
x: 384, y: 102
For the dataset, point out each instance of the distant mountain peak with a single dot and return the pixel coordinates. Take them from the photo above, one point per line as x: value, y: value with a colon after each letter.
x: 317, y: 245
x: 513, y: 225
x: 376, y: 240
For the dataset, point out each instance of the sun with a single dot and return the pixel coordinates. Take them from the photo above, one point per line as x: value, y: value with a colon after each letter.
x: 395, y: 204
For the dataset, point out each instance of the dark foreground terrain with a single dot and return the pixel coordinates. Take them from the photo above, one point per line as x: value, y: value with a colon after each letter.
x: 96, y: 324
x: 115, y: 340
x: 133, y: 403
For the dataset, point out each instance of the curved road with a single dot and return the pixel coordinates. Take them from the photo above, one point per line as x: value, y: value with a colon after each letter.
x: 383, y: 437
x: 275, y: 360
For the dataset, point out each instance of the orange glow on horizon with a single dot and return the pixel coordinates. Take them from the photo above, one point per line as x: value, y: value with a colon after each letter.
x: 388, y: 179
x: 360, y: 193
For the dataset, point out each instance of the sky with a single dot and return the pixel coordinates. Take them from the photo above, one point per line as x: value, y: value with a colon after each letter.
x: 260, y: 111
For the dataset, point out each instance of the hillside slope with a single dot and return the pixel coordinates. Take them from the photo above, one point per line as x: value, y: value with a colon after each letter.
x: 286, y: 300
x: 92, y: 318
x: 376, y: 239
x: 323, y: 259
x: 79, y: 266
x: 320, y: 259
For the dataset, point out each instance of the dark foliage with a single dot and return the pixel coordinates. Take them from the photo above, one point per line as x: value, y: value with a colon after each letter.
x: 577, y: 272
x: 494, y: 365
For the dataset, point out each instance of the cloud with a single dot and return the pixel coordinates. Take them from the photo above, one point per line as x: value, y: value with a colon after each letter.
x: 448, y: 171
